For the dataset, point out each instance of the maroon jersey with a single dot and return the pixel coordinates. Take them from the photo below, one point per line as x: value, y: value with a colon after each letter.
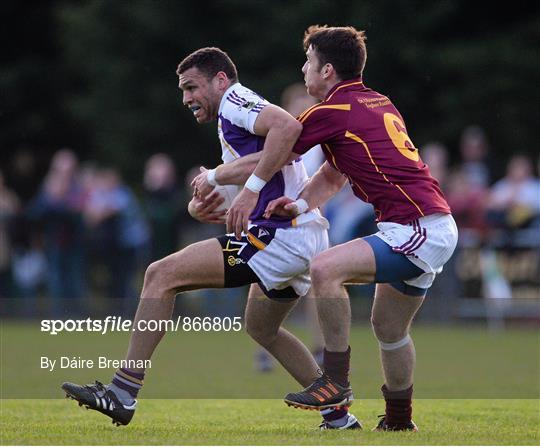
x: 363, y: 136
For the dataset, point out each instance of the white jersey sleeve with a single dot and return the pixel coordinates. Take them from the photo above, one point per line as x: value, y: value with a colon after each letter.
x: 242, y: 106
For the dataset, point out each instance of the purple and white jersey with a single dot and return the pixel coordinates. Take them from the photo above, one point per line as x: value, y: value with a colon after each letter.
x: 238, y: 112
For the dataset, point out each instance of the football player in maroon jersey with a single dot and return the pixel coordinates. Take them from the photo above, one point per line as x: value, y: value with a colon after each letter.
x: 366, y: 143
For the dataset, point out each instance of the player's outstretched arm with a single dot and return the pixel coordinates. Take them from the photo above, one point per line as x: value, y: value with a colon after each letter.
x: 324, y: 184
x: 237, y: 171
x: 231, y: 173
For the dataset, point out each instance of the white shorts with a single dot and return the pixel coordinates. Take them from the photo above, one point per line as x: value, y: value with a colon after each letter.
x: 286, y: 259
x: 428, y: 242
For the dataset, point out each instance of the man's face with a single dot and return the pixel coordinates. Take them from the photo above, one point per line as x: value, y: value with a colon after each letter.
x: 200, y: 95
x: 313, y: 75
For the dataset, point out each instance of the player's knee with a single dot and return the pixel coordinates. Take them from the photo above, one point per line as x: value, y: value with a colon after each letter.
x: 323, y: 271
x: 318, y: 270
x: 387, y: 331
x: 152, y: 274
x: 158, y: 279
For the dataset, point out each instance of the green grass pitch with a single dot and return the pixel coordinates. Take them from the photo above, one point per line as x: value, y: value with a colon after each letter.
x: 472, y: 388
x: 265, y: 422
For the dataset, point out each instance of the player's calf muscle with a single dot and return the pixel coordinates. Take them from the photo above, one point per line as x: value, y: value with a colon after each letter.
x: 263, y: 336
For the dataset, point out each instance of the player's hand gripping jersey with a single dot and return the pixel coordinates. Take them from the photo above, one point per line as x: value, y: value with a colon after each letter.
x: 238, y: 112
x: 364, y: 137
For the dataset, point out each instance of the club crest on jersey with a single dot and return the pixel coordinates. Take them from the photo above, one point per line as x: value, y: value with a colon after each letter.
x: 263, y: 232
x: 249, y: 105
x: 234, y: 261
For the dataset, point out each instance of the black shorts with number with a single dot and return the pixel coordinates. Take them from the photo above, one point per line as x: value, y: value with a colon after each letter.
x: 237, y: 253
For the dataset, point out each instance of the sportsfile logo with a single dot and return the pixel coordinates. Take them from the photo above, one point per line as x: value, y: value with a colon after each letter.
x: 117, y: 323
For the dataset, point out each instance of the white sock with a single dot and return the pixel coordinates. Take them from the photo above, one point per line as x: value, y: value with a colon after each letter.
x: 338, y: 422
x: 123, y: 395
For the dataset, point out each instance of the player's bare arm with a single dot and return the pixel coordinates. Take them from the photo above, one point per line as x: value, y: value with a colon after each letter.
x: 232, y: 173
x: 238, y: 171
x: 281, y: 130
x: 324, y: 185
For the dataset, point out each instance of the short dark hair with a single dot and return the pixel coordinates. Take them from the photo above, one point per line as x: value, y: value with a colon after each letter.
x: 344, y: 47
x: 210, y: 61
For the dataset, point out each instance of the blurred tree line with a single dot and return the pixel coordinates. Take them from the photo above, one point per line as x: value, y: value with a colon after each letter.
x: 99, y: 75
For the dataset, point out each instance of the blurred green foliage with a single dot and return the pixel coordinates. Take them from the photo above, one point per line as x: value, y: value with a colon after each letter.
x: 99, y: 75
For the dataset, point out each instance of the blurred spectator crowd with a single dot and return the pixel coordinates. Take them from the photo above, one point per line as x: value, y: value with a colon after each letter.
x: 488, y: 211
x: 86, y: 233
